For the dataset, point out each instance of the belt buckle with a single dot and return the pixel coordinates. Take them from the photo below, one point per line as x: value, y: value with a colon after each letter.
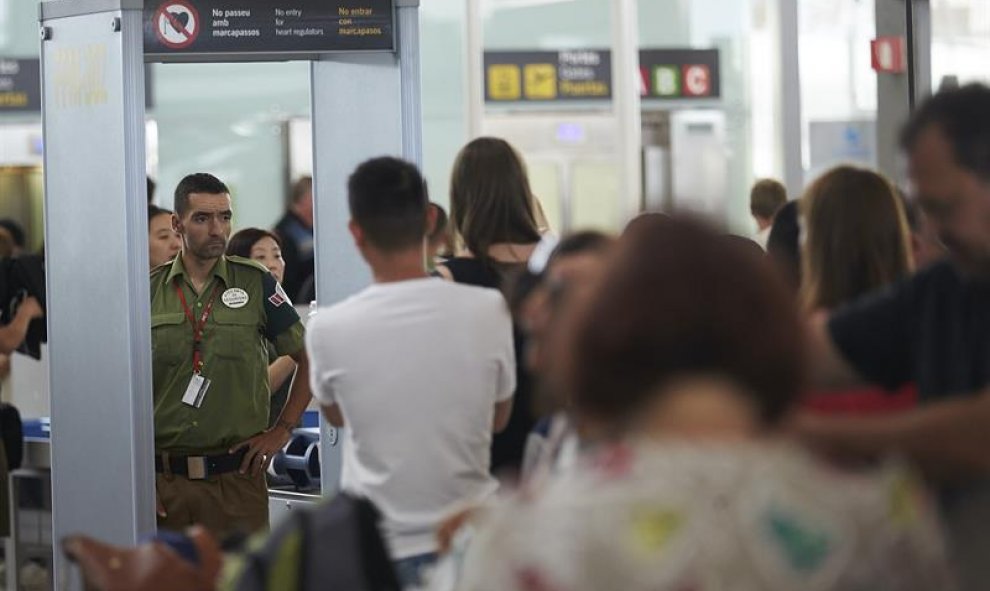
x: 196, y: 467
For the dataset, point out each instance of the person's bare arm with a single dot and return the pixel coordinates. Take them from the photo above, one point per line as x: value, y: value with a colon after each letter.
x: 280, y: 370
x: 444, y: 272
x: 948, y: 439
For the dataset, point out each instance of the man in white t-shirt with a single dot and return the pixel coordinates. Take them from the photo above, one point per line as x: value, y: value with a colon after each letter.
x: 420, y: 370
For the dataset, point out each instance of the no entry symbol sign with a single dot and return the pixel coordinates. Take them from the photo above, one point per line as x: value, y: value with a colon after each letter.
x: 177, y: 24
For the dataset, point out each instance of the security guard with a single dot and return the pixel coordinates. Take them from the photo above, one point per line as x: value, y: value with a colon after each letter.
x: 211, y: 316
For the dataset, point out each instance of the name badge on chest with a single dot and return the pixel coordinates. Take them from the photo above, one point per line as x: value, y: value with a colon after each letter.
x: 196, y: 391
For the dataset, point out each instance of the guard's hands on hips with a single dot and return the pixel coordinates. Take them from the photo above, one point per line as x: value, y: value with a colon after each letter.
x: 261, y: 449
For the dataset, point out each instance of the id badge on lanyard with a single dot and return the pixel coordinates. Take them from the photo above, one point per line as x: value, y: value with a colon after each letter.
x: 198, y: 384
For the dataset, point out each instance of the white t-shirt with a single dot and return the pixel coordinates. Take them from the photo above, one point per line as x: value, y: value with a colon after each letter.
x: 417, y: 368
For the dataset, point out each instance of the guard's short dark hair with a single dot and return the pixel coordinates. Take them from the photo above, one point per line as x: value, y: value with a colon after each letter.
x: 151, y: 189
x: 199, y: 182
x: 963, y: 115
x: 387, y: 198
x: 766, y: 198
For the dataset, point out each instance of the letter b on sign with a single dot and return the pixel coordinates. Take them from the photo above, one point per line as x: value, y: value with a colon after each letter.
x: 697, y: 80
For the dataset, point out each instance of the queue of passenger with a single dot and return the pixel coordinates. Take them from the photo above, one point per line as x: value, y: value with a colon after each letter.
x: 676, y: 363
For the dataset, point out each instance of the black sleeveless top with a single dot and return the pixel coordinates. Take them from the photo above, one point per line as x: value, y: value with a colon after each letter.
x: 507, y: 446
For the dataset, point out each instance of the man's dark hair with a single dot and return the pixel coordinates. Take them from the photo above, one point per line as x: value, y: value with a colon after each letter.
x: 151, y: 189
x: 387, y: 198
x: 199, y: 182
x: 963, y: 116
x: 766, y: 198
x: 16, y: 231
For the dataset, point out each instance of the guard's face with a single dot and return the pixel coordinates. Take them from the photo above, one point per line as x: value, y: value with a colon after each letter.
x: 956, y: 200
x: 205, y: 228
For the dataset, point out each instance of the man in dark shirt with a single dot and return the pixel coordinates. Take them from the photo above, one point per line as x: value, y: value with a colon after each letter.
x: 932, y: 329
x: 296, y: 231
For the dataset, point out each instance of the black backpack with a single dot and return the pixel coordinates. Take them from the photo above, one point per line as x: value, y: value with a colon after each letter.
x: 339, y: 547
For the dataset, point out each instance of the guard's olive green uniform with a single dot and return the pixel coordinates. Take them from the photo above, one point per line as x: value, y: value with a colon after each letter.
x: 249, y: 309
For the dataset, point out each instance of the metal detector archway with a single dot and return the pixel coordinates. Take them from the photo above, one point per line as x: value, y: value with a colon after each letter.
x: 365, y: 103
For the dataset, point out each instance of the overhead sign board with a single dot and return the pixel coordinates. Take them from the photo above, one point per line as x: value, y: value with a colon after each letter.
x: 547, y: 75
x: 187, y: 30
x: 680, y: 74
x: 586, y: 75
x: 20, y: 85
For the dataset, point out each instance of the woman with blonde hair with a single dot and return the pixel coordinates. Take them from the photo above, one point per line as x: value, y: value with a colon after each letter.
x: 856, y: 241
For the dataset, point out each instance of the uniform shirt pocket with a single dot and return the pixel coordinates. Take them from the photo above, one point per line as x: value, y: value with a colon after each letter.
x: 237, y: 336
x: 169, y: 337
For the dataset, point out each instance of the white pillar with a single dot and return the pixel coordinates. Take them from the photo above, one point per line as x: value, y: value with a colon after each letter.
x: 626, y: 104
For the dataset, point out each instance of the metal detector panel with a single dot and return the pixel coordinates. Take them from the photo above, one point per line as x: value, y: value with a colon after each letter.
x: 98, y: 293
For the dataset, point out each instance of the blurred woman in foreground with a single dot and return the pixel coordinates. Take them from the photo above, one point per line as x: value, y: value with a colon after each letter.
x: 682, y: 363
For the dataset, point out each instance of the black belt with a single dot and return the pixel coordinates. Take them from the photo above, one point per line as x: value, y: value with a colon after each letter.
x: 199, y: 467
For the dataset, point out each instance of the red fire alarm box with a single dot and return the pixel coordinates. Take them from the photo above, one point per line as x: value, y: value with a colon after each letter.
x: 889, y: 55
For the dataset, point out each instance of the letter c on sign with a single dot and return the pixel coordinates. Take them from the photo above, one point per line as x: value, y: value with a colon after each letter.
x: 697, y: 80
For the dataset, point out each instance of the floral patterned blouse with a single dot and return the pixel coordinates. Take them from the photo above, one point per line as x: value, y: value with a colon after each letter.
x: 693, y: 517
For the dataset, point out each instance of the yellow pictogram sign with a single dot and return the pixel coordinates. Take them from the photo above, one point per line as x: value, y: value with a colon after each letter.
x: 504, y: 82
x: 541, y: 81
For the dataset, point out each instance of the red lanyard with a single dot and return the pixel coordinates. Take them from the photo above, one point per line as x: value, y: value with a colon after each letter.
x: 197, y: 359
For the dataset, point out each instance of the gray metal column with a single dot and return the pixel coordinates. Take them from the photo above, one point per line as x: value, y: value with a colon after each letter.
x: 626, y: 105
x: 97, y: 270
x: 411, y: 80
x: 791, y: 128
x: 357, y: 114
x: 474, y: 67
x: 921, y: 50
x: 893, y: 93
